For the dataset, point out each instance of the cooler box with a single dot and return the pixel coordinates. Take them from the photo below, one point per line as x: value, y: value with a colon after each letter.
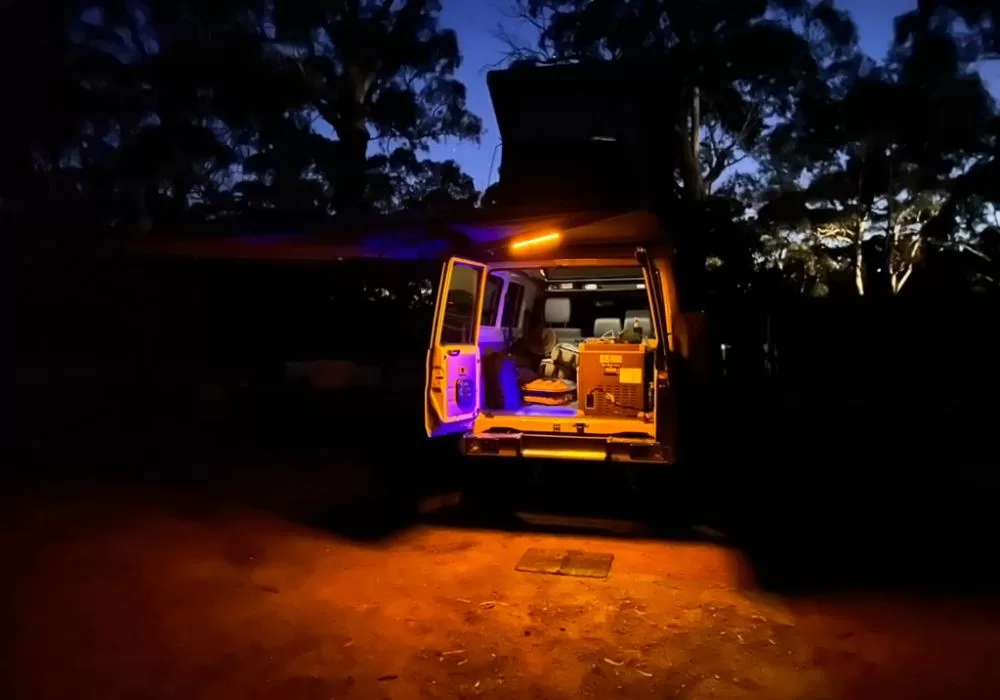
x: 611, y: 379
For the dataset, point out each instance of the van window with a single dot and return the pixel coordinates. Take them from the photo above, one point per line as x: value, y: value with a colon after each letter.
x: 491, y: 303
x: 512, y: 306
x: 459, y: 326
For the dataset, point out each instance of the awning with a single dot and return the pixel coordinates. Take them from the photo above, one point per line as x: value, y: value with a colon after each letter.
x: 482, y: 234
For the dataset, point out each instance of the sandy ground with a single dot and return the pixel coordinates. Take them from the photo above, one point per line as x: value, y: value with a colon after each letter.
x: 130, y: 595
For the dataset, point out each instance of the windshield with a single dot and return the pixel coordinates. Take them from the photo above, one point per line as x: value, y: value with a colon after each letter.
x: 597, y: 312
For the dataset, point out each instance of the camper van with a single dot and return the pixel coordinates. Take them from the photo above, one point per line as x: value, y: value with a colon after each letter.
x: 561, y: 344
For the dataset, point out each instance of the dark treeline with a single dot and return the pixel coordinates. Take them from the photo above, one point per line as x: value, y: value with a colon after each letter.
x: 800, y: 164
x: 132, y: 116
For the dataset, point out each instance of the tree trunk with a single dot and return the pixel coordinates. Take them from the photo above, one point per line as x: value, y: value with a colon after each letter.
x: 859, y: 268
x: 892, y: 257
x: 689, y: 146
x: 900, y: 273
x: 352, y: 121
x: 859, y: 256
x: 696, y: 129
x: 349, y: 193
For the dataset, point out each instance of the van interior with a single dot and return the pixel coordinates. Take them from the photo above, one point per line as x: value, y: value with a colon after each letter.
x: 567, y: 342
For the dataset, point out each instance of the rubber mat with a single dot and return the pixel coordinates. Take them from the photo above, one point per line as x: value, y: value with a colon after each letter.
x: 562, y: 562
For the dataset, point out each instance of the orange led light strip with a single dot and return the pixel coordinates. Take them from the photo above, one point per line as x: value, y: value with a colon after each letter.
x: 535, y: 241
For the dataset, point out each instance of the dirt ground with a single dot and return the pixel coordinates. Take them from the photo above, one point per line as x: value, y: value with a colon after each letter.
x: 129, y: 594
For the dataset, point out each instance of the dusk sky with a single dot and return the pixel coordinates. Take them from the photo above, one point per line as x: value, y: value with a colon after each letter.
x: 476, y: 22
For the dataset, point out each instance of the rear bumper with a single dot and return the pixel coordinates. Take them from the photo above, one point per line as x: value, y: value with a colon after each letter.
x: 571, y: 447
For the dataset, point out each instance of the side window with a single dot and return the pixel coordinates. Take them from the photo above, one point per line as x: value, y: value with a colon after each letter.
x: 459, y: 326
x: 491, y: 303
x: 512, y: 306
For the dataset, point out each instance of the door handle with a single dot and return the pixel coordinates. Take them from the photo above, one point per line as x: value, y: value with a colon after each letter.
x: 454, y: 353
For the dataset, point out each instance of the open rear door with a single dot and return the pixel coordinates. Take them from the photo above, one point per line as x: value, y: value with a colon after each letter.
x: 454, y: 380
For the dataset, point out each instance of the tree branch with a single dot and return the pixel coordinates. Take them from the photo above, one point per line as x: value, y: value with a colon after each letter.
x: 722, y: 158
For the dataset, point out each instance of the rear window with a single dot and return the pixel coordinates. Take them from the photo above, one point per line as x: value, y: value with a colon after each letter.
x: 460, y: 306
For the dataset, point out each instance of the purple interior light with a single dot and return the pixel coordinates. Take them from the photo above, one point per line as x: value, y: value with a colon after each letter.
x: 549, y: 411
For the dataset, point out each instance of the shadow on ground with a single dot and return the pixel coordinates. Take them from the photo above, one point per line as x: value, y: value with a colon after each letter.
x: 809, y: 516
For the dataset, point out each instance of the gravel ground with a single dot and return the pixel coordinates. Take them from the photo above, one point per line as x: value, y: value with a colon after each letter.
x: 135, y: 593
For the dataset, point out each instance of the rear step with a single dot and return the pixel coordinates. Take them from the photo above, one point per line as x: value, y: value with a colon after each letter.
x: 572, y: 447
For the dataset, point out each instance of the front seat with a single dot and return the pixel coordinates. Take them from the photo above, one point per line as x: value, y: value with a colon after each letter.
x: 557, y: 316
x: 603, y: 325
x: 645, y: 321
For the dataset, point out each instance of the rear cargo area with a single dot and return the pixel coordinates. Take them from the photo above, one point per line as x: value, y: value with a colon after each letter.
x: 586, y: 352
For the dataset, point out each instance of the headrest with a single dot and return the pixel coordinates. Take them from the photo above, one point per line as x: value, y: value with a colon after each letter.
x: 645, y: 321
x: 603, y: 325
x: 557, y: 310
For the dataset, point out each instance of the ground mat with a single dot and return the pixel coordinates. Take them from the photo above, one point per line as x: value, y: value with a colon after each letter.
x: 562, y: 562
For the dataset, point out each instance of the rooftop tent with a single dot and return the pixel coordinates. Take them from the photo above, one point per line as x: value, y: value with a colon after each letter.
x: 582, y: 135
x: 576, y: 100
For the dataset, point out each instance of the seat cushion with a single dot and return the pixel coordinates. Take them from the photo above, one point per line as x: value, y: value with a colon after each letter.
x: 567, y: 335
x: 548, y: 369
x: 566, y: 354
